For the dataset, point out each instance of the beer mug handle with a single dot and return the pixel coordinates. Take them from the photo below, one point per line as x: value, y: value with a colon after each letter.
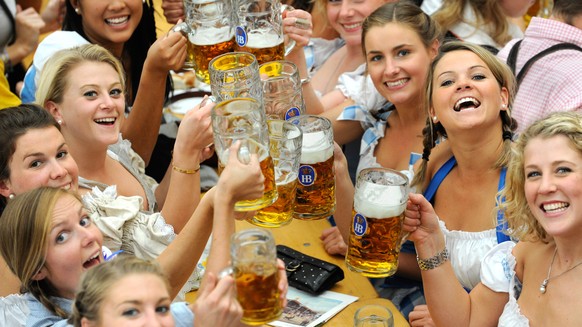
x: 290, y: 44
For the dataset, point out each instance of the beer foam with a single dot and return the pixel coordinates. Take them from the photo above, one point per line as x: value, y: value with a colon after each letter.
x: 315, y: 148
x: 263, y: 40
x: 212, y: 35
x: 379, y: 201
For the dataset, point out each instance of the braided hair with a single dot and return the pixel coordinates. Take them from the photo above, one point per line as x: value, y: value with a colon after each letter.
x: 434, y: 132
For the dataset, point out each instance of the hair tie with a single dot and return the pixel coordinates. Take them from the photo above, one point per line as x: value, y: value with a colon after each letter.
x: 507, y: 135
x: 425, y: 154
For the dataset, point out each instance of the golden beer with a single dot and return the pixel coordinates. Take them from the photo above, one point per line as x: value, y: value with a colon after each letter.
x: 315, y: 198
x: 270, y: 193
x: 280, y: 212
x: 265, y: 47
x: 378, y: 213
x: 375, y: 254
x: 258, y: 295
x: 203, y: 47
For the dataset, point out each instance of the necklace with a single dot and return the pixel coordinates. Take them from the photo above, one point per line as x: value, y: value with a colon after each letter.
x: 544, y: 284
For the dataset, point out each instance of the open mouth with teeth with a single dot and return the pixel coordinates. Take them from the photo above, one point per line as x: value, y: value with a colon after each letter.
x: 554, y: 206
x: 105, y: 121
x: 93, y: 261
x: 117, y: 20
x: 352, y: 26
x: 397, y: 83
x: 466, y: 103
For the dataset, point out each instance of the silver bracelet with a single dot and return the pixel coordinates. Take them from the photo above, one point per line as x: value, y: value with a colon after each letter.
x: 305, y: 80
x: 434, y: 261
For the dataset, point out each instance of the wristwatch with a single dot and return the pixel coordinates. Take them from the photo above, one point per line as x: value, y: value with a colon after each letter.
x: 434, y: 261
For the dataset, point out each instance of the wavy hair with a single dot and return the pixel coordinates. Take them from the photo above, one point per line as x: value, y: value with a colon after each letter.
x: 522, y: 223
x: 488, y: 13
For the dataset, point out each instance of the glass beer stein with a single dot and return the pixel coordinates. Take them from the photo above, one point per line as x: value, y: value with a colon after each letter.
x: 285, y: 139
x: 254, y: 267
x: 209, y: 27
x: 260, y: 29
x: 235, y: 75
x: 243, y: 119
x: 282, y: 95
x: 376, y: 232
x: 315, y: 198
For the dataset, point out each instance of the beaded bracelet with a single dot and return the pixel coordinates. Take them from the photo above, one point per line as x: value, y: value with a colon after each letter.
x: 186, y: 171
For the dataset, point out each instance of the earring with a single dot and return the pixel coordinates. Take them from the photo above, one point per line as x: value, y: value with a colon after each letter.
x: 11, y: 196
x: 503, y: 106
x: 434, y: 119
x: 77, y: 11
x: 60, y: 122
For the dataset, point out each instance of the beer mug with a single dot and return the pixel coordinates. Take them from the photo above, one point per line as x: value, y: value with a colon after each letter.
x: 210, y: 32
x: 260, y: 29
x: 376, y: 232
x: 254, y: 267
x: 285, y: 139
x: 373, y: 315
x: 243, y: 119
x: 282, y: 96
x: 235, y: 75
x: 315, y: 198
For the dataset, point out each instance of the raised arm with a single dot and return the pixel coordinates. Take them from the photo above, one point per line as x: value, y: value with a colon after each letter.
x: 143, y: 123
x: 179, y: 192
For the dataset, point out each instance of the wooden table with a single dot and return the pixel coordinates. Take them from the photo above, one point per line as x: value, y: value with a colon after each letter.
x: 303, y: 236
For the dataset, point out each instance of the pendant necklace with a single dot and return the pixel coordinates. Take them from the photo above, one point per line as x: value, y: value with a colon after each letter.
x: 544, y: 284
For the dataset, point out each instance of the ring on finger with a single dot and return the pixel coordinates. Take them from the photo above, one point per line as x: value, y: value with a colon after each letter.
x: 302, y: 23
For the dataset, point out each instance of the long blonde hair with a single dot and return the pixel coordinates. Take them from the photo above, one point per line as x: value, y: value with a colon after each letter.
x: 488, y: 13
x: 24, y: 229
x: 54, y: 76
x: 522, y: 223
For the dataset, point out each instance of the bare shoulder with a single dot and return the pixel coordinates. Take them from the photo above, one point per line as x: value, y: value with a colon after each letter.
x: 531, y: 254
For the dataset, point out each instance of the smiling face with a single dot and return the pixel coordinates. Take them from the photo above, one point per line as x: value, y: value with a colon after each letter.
x: 41, y: 158
x: 346, y: 17
x: 92, y: 109
x: 109, y: 23
x: 74, y: 245
x: 398, y: 61
x: 138, y: 299
x: 465, y: 94
x: 553, y: 184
